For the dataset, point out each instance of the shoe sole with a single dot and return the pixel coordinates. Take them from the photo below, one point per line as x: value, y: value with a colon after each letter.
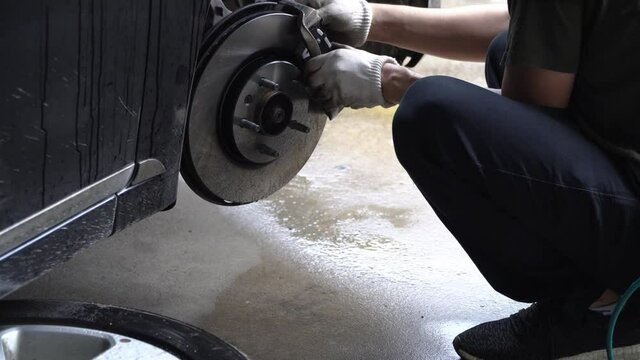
x: 622, y: 353
x: 466, y: 356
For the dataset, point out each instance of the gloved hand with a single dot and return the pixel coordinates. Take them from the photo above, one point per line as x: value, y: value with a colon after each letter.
x: 346, y: 77
x: 346, y: 21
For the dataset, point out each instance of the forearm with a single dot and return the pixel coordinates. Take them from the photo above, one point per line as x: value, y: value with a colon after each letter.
x: 462, y: 33
x: 395, y: 82
x: 397, y: 79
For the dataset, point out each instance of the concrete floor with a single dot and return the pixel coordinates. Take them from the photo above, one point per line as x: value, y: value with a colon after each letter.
x: 346, y: 262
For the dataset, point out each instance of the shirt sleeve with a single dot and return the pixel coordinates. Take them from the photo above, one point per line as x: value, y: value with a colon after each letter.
x: 545, y: 34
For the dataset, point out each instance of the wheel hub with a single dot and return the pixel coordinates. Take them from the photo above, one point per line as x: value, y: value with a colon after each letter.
x: 262, y: 123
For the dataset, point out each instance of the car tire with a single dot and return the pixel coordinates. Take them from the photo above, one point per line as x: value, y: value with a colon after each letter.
x: 179, y: 339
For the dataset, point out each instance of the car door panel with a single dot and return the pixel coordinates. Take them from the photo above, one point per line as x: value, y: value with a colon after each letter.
x: 94, y: 97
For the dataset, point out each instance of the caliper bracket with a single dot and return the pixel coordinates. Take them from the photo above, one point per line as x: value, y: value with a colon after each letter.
x: 309, y: 21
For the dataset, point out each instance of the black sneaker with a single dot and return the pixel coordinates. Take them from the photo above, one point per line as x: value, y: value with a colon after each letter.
x: 554, y: 329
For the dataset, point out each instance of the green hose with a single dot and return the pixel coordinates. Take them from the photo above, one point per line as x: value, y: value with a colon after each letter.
x: 616, y: 313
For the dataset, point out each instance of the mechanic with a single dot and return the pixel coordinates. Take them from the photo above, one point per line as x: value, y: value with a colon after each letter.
x: 538, y: 179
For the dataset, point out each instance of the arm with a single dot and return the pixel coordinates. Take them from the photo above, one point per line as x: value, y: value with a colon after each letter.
x: 544, y: 51
x: 525, y: 84
x: 541, y: 63
x: 395, y: 82
x: 462, y: 33
x: 397, y: 79
x: 538, y: 86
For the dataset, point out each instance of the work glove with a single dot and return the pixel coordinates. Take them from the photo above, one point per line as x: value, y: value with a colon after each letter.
x: 346, y: 21
x: 346, y: 77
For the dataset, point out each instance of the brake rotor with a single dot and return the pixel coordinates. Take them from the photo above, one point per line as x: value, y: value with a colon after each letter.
x: 251, y: 126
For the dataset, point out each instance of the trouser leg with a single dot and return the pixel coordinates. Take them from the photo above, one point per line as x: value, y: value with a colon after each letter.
x: 538, y: 208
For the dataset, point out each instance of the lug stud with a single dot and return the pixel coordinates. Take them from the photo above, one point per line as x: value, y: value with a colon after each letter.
x: 266, y: 150
x: 269, y: 84
x: 248, y: 124
x: 299, y: 127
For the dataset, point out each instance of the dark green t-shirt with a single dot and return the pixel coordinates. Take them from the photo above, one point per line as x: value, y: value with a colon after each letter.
x: 599, y: 41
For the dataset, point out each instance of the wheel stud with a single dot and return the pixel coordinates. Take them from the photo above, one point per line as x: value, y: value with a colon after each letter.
x: 299, y: 127
x: 266, y: 150
x: 248, y: 124
x: 269, y: 84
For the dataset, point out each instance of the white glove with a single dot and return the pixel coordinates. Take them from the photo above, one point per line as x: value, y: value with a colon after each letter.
x: 346, y: 21
x: 346, y: 77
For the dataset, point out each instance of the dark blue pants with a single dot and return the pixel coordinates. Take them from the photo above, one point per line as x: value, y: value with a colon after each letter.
x: 541, y: 210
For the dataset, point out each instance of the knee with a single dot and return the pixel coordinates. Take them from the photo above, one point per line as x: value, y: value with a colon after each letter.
x: 427, y: 103
x: 496, y: 49
x: 494, y: 69
x: 425, y: 108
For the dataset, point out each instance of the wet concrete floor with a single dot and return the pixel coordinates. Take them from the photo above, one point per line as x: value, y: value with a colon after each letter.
x: 346, y: 262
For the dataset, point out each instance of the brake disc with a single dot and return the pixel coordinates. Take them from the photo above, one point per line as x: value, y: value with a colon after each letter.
x: 251, y: 126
